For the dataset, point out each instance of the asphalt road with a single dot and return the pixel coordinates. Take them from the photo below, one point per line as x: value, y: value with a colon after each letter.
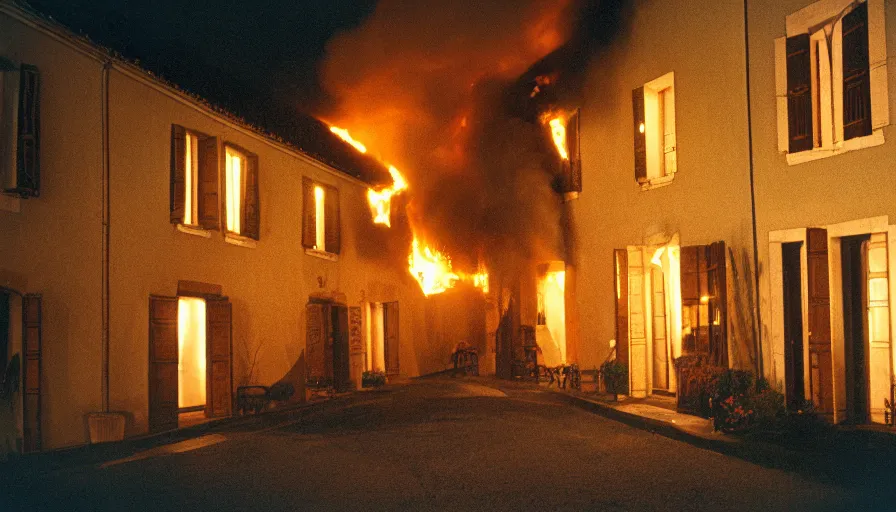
x: 438, y: 444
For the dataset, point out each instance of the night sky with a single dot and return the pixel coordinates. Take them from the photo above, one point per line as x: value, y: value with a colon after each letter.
x: 259, y: 62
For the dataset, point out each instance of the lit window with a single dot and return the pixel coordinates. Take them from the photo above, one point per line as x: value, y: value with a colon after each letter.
x: 320, y: 220
x: 191, y: 180
x: 234, y: 188
x: 653, y: 106
x: 831, y: 80
x: 320, y: 225
x: 194, y: 179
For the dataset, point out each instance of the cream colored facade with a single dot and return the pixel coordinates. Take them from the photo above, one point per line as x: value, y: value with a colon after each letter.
x: 53, y: 245
x: 703, y: 196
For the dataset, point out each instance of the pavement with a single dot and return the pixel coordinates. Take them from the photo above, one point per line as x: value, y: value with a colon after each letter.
x: 452, y: 444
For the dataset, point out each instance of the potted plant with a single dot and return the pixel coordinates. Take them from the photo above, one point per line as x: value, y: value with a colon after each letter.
x: 615, y: 376
x: 373, y: 379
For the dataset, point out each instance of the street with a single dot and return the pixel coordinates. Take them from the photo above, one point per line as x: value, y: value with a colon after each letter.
x: 437, y: 444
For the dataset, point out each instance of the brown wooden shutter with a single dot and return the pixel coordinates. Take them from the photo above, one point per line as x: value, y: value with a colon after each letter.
x: 821, y: 383
x: 799, y: 93
x: 621, y: 262
x: 163, y: 361
x: 178, y: 173
x: 856, y: 76
x: 640, y: 135
x: 309, y: 217
x: 208, y: 182
x: 31, y: 372
x: 332, y: 230
x: 315, y: 341
x: 574, y: 179
x: 390, y: 345
x: 718, y: 304
x: 251, y: 208
x: 28, y: 157
x: 219, y: 382
x: 695, y: 312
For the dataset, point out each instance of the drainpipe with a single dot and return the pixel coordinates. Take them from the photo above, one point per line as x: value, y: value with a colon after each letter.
x: 757, y: 325
x: 107, y: 66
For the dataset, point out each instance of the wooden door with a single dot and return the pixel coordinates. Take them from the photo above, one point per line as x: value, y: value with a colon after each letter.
x: 821, y: 383
x: 660, y: 338
x: 390, y: 329
x: 794, y: 372
x: 717, y: 303
x: 31, y: 374
x: 637, y: 324
x: 219, y: 368
x: 163, y: 359
x: 315, y: 342
x: 620, y: 257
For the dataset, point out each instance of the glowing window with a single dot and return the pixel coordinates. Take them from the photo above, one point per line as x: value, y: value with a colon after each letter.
x: 320, y: 229
x: 655, y: 139
x: 191, y: 180
x: 235, y: 181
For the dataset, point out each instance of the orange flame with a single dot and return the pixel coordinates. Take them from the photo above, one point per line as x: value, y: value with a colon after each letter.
x: 431, y: 269
x: 381, y: 201
x: 344, y: 135
x: 558, y: 132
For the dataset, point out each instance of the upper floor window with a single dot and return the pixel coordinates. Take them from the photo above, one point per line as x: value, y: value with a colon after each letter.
x: 241, y: 192
x: 194, y: 179
x: 320, y: 220
x: 19, y: 129
x: 565, y: 133
x: 831, y: 79
x: 653, y: 106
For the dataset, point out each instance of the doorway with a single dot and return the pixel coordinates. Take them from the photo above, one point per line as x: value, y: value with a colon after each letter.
x: 550, y: 331
x: 191, y: 364
x: 660, y: 331
x: 339, y: 340
x: 794, y: 370
x: 854, y: 250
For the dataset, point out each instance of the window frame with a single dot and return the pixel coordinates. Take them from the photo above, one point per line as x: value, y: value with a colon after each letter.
x: 316, y: 245
x: 818, y: 19
x: 658, y: 96
x: 243, y: 237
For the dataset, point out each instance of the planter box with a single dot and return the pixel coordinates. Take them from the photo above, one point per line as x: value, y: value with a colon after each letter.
x: 105, y: 427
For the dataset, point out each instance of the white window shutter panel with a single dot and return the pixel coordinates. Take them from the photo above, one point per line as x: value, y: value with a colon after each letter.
x: 877, y: 59
x: 781, y: 93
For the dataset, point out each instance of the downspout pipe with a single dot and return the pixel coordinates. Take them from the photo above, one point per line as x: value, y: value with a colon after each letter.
x: 757, y: 313
x: 107, y: 67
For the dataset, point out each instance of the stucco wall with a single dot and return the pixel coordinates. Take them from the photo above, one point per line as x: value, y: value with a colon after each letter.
x: 53, y: 245
x: 709, y: 198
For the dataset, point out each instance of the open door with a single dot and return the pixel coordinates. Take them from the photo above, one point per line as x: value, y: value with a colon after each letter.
x: 339, y: 337
x: 620, y: 257
x: 821, y: 383
x: 163, y: 359
x: 219, y: 399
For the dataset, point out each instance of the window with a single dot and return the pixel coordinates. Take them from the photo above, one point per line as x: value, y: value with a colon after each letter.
x: 831, y: 79
x: 653, y: 106
x: 19, y: 129
x: 194, y: 179
x: 241, y: 192
x: 320, y: 224
x: 571, y: 161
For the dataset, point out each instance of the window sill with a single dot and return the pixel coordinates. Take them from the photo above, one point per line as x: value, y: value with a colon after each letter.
x: 660, y: 181
x: 322, y: 254
x: 239, y: 240
x: 10, y: 203
x: 869, y: 141
x: 193, y: 230
x: 569, y: 196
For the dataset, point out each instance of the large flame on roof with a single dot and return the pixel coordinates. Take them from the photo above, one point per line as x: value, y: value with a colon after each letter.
x: 381, y: 200
x: 343, y: 134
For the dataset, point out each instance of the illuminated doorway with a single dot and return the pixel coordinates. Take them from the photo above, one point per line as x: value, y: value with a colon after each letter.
x: 191, y: 364
x: 550, y: 333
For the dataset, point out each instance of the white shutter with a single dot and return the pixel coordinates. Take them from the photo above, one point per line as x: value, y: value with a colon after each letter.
x: 877, y: 63
x: 637, y: 323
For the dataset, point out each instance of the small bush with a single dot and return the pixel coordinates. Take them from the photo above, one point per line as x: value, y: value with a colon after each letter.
x: 615, y: 376
x: 373, y: 379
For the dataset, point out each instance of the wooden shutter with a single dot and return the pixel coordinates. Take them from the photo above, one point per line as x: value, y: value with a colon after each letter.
x: 821, y: 383
x: 333, y: 236
x: 28, y: 156
x: 637, y: 323
x: 574, y: 178
x: 856, y: 79
x: 163, y: 360
x: 315, y: 342
x: 178, y: 173
x: 219, y: 382
x: 718, y: 304
x: 209, y: 179
x: 640, y: 135
x: 309, y: 215
x: 31, y: 372
x: 621, y: 263
x: 251, y: 210
x: 390, y: 345
x: 799, y: 93
x: 694, y: 309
